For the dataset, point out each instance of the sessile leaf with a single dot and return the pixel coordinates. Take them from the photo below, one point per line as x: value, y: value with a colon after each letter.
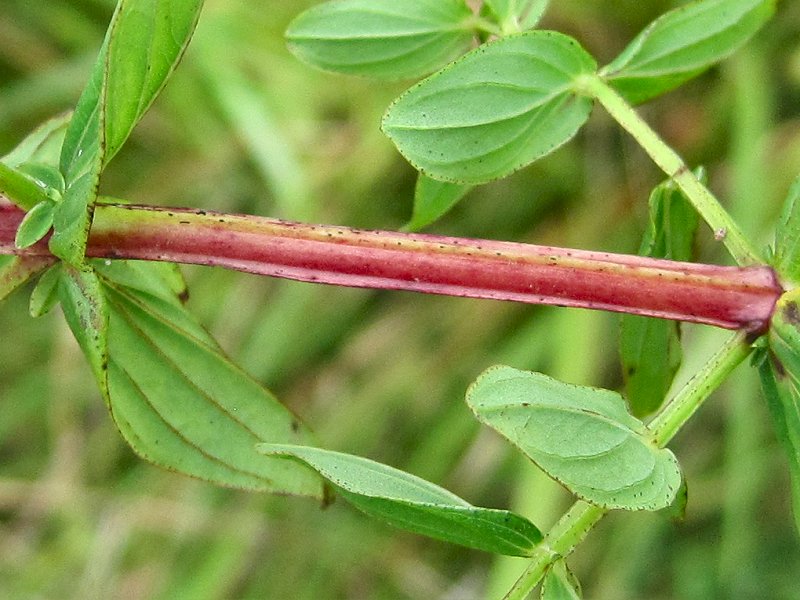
x: 495, y: 110
x: 683, y: 43
x: 582, y: 437
x: 413, y: 504
x: 175, y: 397
x: 388, y: 39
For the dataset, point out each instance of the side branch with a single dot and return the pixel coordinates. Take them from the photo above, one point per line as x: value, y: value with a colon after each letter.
x: 729, y: 297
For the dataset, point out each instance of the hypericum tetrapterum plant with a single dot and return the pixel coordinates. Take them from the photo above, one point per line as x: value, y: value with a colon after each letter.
x: 499, y: 95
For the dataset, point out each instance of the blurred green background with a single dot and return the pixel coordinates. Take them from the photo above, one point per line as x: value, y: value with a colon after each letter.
x: 244, y: 127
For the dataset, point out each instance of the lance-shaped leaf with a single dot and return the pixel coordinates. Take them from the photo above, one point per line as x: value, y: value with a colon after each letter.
x: 143, y: 44
x: 650, y: 348
x: 81, y: 163
x: 582, y: 437
x: 433, y: 199
x: 495, y: 110
x: 413, y: 504
x: 560, y: 584
x: 683, y: 43
x: 177, y: 400
x: 780, y: 379
x: 390, y: 39
x: 787, y: 237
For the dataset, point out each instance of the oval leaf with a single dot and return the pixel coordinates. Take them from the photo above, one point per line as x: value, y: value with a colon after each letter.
x: 495, y: 110
x: 582, y: 437
x: 683, y: 43
x: 35, y: 224
x: 414, y: 504
x: 390, y: 39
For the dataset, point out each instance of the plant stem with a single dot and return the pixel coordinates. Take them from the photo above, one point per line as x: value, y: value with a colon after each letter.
x: 576, y: 523
x: 709, y: 208
x: 560, y: 541
x: 691, y: 396
x: 729, y: 297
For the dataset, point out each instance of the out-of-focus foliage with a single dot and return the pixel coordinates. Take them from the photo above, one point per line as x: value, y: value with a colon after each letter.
x: 244, y: 126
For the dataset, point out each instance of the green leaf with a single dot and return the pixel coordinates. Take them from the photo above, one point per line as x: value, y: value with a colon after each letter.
x: 17, y: 270
x: 781, y: 393
x: 683, y: 43
x: 86, y: 312
x: 147, y: 42
x: 650, y: 348
x: 35, y: 224
x: 517, y: 15
x: 19, y: 188
x: 46, y: 176
x: 433, y: 199
x: 45, y: 295
x: 787, y: 237
x: 144, y: 42
x: 494, y: 111
x: 81, y: 163
x: 42, y: 145
x: 582, y: 437
x: 530, y: 12
x: 176, y: 398
x: 390, y: 39
x: 780, y: 379
x: 560, y: 584
x: 414, y: 504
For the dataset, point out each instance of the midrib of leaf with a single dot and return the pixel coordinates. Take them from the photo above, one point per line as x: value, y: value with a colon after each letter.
x: 527, y: 131
x: 425, y: 41
x: 580, y: 413
x: 525, y: 114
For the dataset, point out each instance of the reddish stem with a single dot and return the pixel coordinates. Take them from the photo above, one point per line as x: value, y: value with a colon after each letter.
x: 729, y: 297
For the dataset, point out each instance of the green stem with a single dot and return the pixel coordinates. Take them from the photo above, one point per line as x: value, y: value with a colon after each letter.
x: 686, y: 402
x: 567, y: 533
x: 709, y: 208
x: 576, y: 523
